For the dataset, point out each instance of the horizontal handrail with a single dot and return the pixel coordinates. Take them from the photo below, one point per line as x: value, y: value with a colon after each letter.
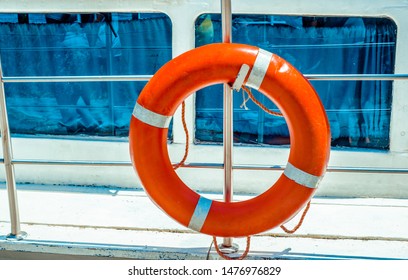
x: 257, y: 167
x: 282, y: 167
x: 64, y: 79
x: 133, y: 78
x: 71, y: 162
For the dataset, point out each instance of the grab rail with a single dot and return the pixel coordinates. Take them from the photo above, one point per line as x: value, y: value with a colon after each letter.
x: 201, y: 165
x: 64, y: 79
x: 135, y: 78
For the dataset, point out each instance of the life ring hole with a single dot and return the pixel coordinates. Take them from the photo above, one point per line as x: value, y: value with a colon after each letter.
x: 253, y: 127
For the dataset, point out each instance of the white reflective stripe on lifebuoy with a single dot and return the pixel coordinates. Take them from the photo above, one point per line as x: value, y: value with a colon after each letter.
x: 239, y: 80
x: 301, y: 177
x: 259, y: 69
x: 200, y: 213
x: 150, y: 117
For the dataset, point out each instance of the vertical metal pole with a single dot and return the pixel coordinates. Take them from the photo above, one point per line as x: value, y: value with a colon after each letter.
x: 16, y: 233
x: 226, y: 20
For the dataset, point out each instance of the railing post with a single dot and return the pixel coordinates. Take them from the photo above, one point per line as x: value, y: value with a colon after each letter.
x: 226, y: 20
x: 16, y: 233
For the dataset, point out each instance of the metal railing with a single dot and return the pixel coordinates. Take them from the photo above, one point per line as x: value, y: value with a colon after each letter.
x: 209, y: 165
x: 9, y: 161
x: 139, y: 78
x: 64, y: 79
x: 16, y: 232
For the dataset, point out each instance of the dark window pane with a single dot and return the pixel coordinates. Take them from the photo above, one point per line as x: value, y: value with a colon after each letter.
x: 359, y: 111
x: 79, y: 45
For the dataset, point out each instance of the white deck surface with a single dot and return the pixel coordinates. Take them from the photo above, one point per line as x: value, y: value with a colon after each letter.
x: 74, y: 222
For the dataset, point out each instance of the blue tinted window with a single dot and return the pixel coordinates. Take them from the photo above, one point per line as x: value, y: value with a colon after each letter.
x: 359, y: 111
x: 79, y: 45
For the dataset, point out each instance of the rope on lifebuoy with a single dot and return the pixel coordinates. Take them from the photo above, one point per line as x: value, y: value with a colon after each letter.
x: 226, y: 257
x: 185, y: 128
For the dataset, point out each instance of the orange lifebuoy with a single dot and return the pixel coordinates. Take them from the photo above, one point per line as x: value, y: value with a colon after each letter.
x: 276, y: 79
